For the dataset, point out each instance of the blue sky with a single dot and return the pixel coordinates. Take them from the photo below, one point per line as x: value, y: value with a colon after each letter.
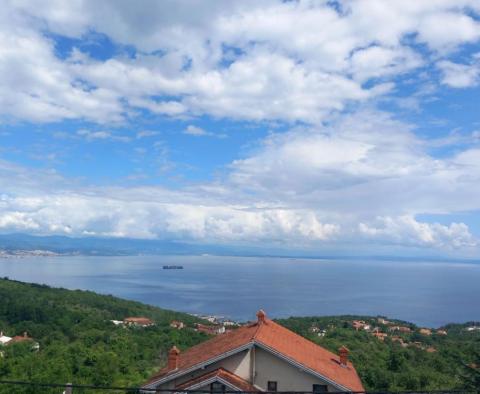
x: 327, y: 126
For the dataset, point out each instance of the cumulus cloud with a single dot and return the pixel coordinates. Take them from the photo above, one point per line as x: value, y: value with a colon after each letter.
x: 366, y: 176
x: 407, y: 230
x: 272, y: 60
x: 343, y: 170
x: 458, y: 75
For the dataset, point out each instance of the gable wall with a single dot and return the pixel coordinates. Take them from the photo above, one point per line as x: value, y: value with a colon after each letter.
x: 288, y: 377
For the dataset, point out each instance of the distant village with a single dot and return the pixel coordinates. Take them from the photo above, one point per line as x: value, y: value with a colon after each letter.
x: 383, y: 329
x: 380, y: 328
x: 217, y: 325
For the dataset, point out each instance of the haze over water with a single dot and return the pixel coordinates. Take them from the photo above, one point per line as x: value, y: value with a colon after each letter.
x: 426, y: 293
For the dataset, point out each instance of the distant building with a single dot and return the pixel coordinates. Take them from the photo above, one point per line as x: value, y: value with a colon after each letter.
x: 230, y: 323
x: 257, y: 357
x: 211, y: 330
x: 117, y: 322
x: 22, y: 338
x: 441, y: 332
x: 360, y: 325
x: 379, y: 335
x: 425, y: 331
x: 4, y: 339
x: 138, y: 321
x: 381, y: 320
x: 430, y: 349
x: 473, y: 328
x: 400, y: 328
x: 177, y: 324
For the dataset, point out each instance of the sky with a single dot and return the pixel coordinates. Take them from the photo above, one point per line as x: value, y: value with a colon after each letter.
x: 327, y: 126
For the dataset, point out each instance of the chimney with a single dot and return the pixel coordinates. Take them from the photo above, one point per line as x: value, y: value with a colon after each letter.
x: 173, y: 358
x: 343, y: 353
x: 25, y: 334
x: 261, y: 316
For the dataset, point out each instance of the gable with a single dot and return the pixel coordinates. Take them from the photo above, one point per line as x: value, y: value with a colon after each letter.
x: 289, y: 377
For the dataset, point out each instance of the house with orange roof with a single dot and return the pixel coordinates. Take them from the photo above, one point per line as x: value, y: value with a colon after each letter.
x: 24, y: 338
x: 138, y: 321
x: 257, y: 357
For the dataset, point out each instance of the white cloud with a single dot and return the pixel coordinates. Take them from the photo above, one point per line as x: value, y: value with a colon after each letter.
x: 272, y: 60
x: 364, y: 178
x: 407, y: 230
x: 195, y: 131
x: 90, y: 135
x: 458, y: 75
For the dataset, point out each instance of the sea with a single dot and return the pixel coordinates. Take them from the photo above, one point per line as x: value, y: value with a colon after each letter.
x: 427, y: 293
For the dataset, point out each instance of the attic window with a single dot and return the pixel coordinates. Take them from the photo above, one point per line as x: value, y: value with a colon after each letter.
x: 271, y: 386
x: 319, y: 388
x: 217, y: 388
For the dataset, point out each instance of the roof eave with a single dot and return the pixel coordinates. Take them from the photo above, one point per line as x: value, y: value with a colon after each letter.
x: 212, y: 360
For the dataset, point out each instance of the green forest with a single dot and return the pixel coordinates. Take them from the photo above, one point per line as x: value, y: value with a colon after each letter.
x: 79, y: 343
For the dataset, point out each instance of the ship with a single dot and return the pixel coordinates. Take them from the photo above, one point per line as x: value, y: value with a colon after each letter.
x: 173, y: 267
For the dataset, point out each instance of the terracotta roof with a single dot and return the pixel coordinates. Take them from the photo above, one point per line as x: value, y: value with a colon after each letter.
x: 271, y: 335
x: 138, y: 320
x: 222, y: 373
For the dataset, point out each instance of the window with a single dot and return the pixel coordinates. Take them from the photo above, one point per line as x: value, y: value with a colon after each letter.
x: 217, y: 388
x: 319, y: 388
x: 271, y: 386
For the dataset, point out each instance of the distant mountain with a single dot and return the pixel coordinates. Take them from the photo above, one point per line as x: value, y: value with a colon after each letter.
x: 25, y: 244
x: 12, y: 243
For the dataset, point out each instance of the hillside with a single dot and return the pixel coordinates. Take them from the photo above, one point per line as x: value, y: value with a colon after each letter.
x: 448, y: 358
x: 79, y: 343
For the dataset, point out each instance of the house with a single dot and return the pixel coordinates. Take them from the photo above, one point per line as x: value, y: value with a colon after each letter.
x: 473, y: 328
x: 360, y: 325
x: 260, y: 356
x: 441, y: 332
x: 400, y: 328
x: 211, y: 330
x: 24, y: 338
x: 425, y: 331
x: 138, y: 321
x: 379, y: 335
x: 381, y: 320
x: 4, y: 339
x: 177, y: 324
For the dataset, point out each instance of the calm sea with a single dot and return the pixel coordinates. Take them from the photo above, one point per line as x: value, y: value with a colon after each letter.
x: 427, y: 293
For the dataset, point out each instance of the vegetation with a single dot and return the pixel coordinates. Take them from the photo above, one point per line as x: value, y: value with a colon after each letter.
x: 79, y: 343
x: 424, y: 362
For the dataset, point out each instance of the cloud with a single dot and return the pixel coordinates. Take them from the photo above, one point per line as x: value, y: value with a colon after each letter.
x: 101, y: 135
x: 405, y: 229
x: 146, y: 134
x: 364, y: 178
x: 196, y: 131
x: 268, y: 61
x: 458, y: 75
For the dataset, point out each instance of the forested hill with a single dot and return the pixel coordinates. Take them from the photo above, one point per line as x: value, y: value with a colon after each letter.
x: 78, y: 342
x: 447, y: 358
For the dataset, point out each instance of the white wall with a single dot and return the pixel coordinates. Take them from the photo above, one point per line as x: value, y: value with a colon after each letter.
x: 288, y: 377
